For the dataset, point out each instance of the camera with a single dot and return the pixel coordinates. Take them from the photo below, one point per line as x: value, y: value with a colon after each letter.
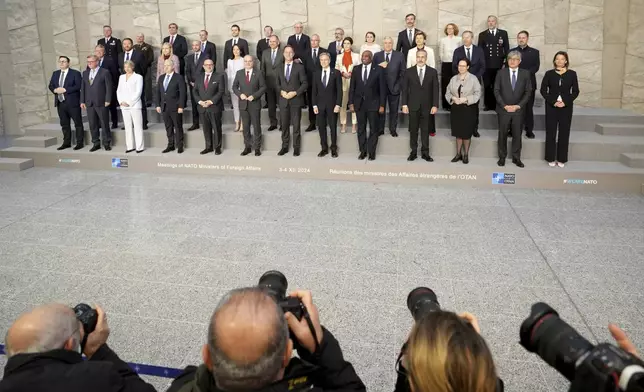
x: 87, y: 316
x: 275, y: 284
x: 422, y: 301
x: 599, y: 368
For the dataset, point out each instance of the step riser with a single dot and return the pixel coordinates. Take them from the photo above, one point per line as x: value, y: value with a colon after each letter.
x: 15, y: 164
x: 347, y: 143
x: 637, y: 163
x: 616, y: 130
x: 47, y: 141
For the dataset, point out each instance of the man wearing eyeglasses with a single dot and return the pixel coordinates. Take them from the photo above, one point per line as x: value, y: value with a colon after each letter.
x: 66, y: 86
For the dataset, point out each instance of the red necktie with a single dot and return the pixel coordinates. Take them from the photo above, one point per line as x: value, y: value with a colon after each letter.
x: 247, y: 77
x: 205, y: 82
x: 172, y: 40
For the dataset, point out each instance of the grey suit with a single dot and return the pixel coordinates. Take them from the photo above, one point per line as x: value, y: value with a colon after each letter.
x: 95, y: 95
x: 291, y: 109
x: 506, y: 95
x: 270, y: 69
x: 250, y: 111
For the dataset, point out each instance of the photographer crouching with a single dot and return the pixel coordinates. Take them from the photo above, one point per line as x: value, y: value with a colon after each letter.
x: 44, y: 349
x: 251, y: 338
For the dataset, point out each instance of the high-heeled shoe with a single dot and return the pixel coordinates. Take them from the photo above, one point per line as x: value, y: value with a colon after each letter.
x: 343, y: 129
x: 466, y: 159
x: 457, y: 158
x: 353, y: 129
x: 237, y: 128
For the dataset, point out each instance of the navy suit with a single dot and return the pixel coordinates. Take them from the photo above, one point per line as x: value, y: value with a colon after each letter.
x: 95, y: 95
x: 180, y: 48
x: 477, y: 67
x: 69, y: 104
x: 112, y: 67
x: 393, y: 74
x: 311, y: 66
x: 112, y: 47
x: 367, y: 98
x: 170, y: 100
x: 301, y: 48
x: 334, y: 50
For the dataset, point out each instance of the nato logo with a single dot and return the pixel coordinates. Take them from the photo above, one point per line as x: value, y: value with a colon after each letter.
x: 503, y: 178
x: 119, y: 162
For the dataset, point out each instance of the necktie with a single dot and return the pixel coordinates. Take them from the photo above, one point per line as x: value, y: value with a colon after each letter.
x: 324, y: 78
x: 247, y: 77
x: 61, y: 98
x: 387, y: 57
x: 166, y: 82
x: 273, y: 57
x: 338, y: 47
x: 91, y: 77
x: 172, y: 40
x: 203, y: 46
x: 364, y: 77
x: 421, y: 76
x: 468, y: 54
x: 235, y: 42
x: 297, y: 39
x: 411, y: 37
x: 288, y: 72
x: 196, y: 58
x: 315, y: 54
x: 127, y: 56
x: 514, y: 79
x: 205, y: 82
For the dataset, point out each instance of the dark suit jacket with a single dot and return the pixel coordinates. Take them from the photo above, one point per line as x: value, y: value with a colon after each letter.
x: 179, y: 46
x: 330, y: 96
x: 368, y: 96
x: 403, y: 45
x: 174, y: 97
x: 262, y: 45
x: 72, y: 83
x: 530, y: 61
x: 495, y: 48
x: 420, y: 97
x: 270, y: 70
x: 394, y: 71
x: 100, y: 91
x: 228, y: 49
x: 193, y: 71
x: 297, y: 83
x: 112, y: 48
x: 214, y: 92
x: 112, y: 67
x: 477, y: 68
x: 311, y: 65
x: 256, y: 88
x: 506, y: 96
x: 137, y: 58
x: 302, y: 48
x: 211, y: 51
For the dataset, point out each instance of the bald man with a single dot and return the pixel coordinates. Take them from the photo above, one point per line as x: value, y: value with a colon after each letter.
x: 249, y: 349
x: 43, y: 348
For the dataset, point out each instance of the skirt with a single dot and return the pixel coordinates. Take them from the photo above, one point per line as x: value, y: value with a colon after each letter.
x: 463, y: 120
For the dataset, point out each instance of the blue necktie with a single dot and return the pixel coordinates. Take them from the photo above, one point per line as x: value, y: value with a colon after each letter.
x: 127, y: 56
x: 324, y: 78
x: 166, y: 82
x: 288, y: 72
x: 514, y: 79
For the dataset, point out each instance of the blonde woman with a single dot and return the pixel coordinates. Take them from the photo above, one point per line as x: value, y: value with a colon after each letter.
x: 128, y: 95
x: 446, y: 47
x: 370, y: 44
x: 166, y: 54
x: 345, y: 63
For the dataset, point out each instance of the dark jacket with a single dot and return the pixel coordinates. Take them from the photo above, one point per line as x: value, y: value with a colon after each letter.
x: 394, y: 71
x: 256, y: 88
x: 194, y: 70
x: 417, y: 96
x: 175, y: 96
x: 330, y: 96
x: 312, y: 65
x: 137, y: 58
x: 327, y: 371
x: 334, y: 50
x: 565, y: 85
x: 297, y: 82
x: 99, y: 91
x: 504, y: 93
x: 403, y: 45
x: 495, y: 47
x: 72, y: 83
x: 66, y: 371
x: 529, y: 61
x: 148, y: 53
x: 368, y: 96
x: 228, y: 49
x: 302, y: 48
x: 210, y: 50
x: 179, y: 46
x: 112, y: 47
x: 214, y: 92
x: 477, y: 67
x: 262, y: 45
x: 269, y: 69
x: 111, y: 66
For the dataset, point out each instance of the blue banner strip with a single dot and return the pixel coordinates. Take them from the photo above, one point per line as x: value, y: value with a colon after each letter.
x: 148, y: 370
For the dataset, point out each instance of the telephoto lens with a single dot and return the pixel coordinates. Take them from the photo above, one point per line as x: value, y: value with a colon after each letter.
x: 422, y: 301
x: 275, y: 283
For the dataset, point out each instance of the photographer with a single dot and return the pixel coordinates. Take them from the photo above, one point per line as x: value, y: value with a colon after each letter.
x: 44, y: 349
x: 249, y: 349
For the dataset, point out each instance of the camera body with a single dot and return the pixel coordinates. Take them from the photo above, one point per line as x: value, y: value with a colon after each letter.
x: 275, y: 284
x: 87, y: 316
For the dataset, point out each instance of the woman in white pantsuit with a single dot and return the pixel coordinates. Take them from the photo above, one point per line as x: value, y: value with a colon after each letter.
x: 234, y: 65
x: 128, y: 95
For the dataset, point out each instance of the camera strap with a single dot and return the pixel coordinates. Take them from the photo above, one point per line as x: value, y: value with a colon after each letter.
x: 312, y: 328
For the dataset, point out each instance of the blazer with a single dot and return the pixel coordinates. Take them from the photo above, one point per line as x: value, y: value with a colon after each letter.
x: 471, y: 89
x: 179, y: 46
x: 312, y: 65
x: 72, y: 83
x: 529, y: 61
x: 160, y: 66
x: 355, y: 60
x: 334, y: 50
x: 112, y: 47
x: 369, y: 96
x: 256, y: 88
x: 140, y: 63
x: 262, y: 45
x: 506, y: 96
x: 270, y: 70
x: 111, y: 66
x: 211, y: 50
x: 330, y: 96
x: 477, y: 67
x: 420, y: 97
x: 174, y: 97
x: 99, y: 91
x: 130, y: 91
x: 495, y: 47
x: 194, y: 70
x: 411, y: 57
x: 554, y: 85
x: 148, y: 53
x: 302, y: 48
x: 214, y: 92
x: 228, y: 49
x: 297, y: 82
x: 394, y: 71
x: 403, y: 44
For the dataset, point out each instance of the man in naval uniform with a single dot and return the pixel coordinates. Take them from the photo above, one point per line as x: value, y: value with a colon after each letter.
x: 496, y: 46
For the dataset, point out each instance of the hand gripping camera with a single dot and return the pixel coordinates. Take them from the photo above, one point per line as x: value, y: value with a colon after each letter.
x: 88, y: 318
x: 589, y: 368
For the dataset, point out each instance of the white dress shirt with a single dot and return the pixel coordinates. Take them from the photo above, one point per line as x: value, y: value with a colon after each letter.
x: 250, y: 73
x: 368, y: 68
x: 373, y: 48
x: 328, y: 74
x: 125, y: 55
x: 338, y: 47
x: 129, y: 91
x: 411, y: 57
x: 493, y: 31
x: 447, y: 46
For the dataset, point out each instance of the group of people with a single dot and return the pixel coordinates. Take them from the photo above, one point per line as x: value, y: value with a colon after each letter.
x: 332, y: 82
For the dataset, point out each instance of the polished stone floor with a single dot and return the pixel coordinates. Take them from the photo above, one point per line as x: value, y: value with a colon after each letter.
x: 158, y: 251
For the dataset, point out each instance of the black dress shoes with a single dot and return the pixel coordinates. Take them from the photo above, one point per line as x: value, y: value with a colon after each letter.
x: 115, y: 126
x: 501, y: 162
x: 108, y: 148
x: 381, y: 133
x: 180, y: 150
x: 412, y: 157
x: 258, y: 153
x: 323, y: 153
x: 310, y: 128
x: 145, y: 127
x: 476, y: 133
x: 245, y: 152
x: 296, y: 152
x: 372, y: 157
x: 427, y: 158
x: 94, y: 148
x: 167, y: 149
x: 362, y: 155
x: 122, y: 128
x: 129, y: 151
x: 518, y: 162
x: 78, y: 146
x: 394, y: 134
x: 272, y: 128
x: 529, y: 135
x: 193, y: 127
x: 63, y: 147
x: 139, y: 151
x: 206, y: 151
x: 282, y: 151
x: 466, y: 159
x: 457, y: 158
x: 218, y: 151
x: 334, y: 153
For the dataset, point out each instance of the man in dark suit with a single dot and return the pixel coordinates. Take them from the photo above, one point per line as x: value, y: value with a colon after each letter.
x: 335, y: 47
x: 170, y: 100
x: 292, y: 85
x: 529, y: 61
x: 194, y: 68
x: 235, y: 40
x: 148, y: 53
x: 95, y: 97
x: 271, y: 66
x: 208, y: 92
x: 393, y: 63
x: 299, y: 41
x: 262, y: 44
x: 420, y: 99
x: 326, y: 99
x: 112, y: 45
x: 367, y: 97
x: 512, y: 90
x: 179, y: 45
x: 112, y: 67
x: 477, y: 59
x: 140, y: 67
x: 312, y: 65
x: 207, y: 48
x: 249, y: 87
x: 495, y: 45
x: 406, y: 38
x: 66, y: 86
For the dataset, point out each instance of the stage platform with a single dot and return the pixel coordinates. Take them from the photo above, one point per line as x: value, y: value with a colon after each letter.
x: 606, y: 154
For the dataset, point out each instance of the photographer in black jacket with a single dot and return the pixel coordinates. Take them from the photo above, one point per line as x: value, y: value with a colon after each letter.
x: 44, y: 354
x: 249, y: 349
